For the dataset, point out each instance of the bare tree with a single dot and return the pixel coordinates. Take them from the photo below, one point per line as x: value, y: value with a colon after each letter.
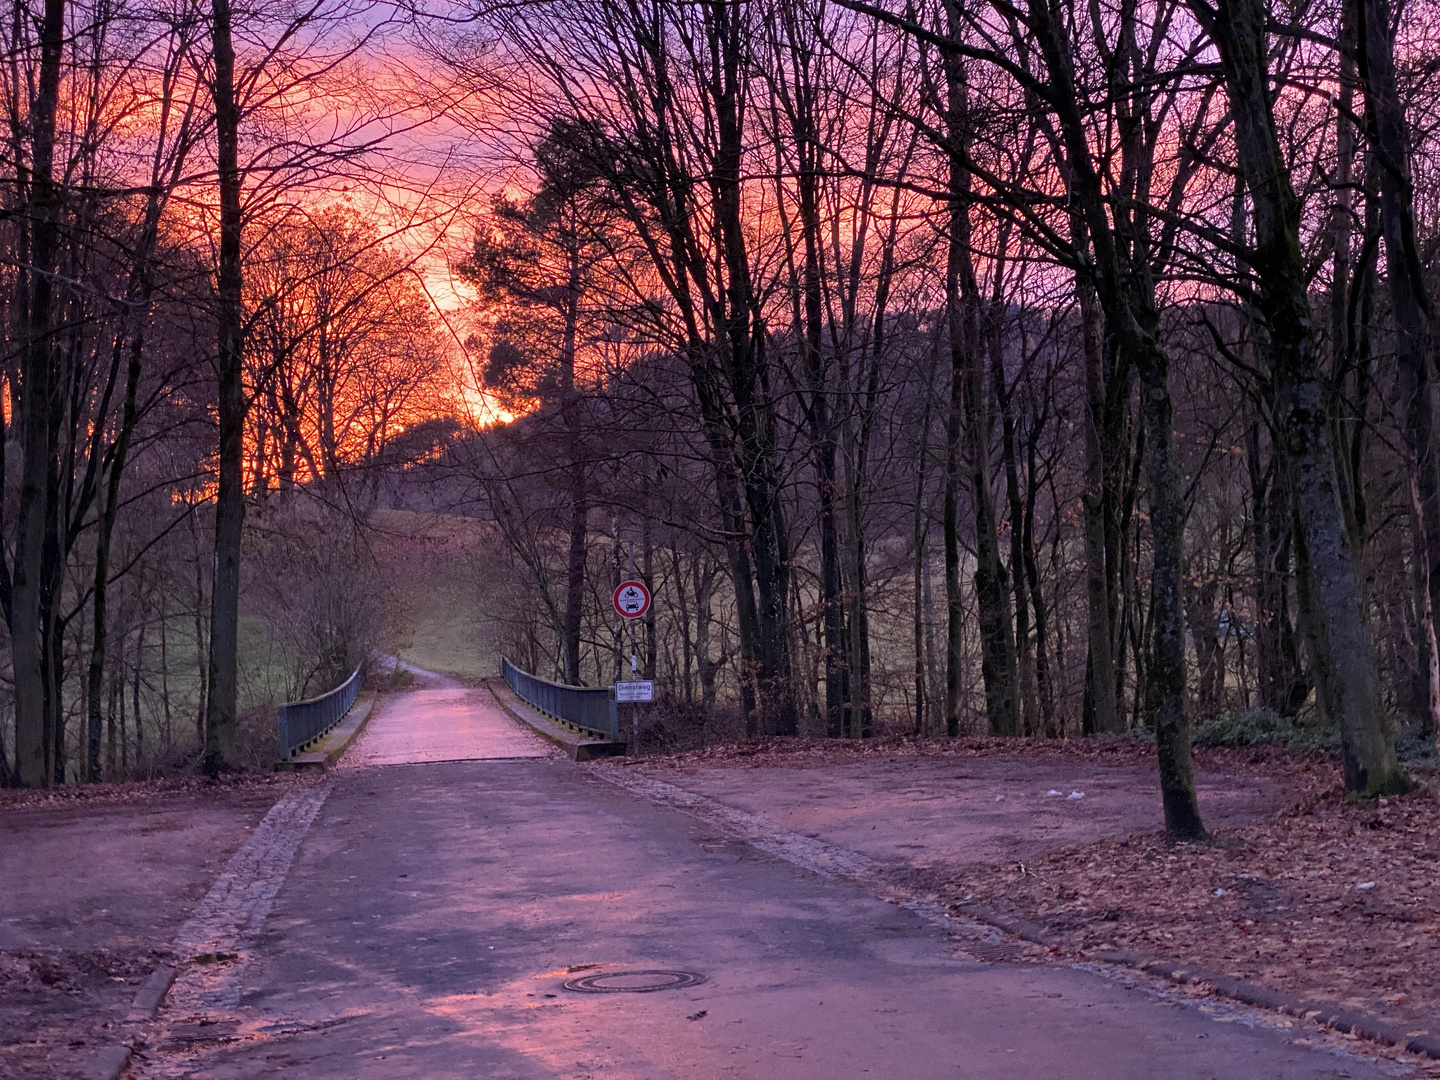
x: 1330, y: 584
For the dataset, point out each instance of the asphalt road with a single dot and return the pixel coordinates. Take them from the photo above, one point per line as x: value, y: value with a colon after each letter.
x: 434, y: 910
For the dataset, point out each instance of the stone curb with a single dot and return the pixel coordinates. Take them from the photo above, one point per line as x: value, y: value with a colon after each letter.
x: 1350, y: 1021
x: 337, y: 742
x: 151, y: 994
x: 577, y: 747
x: 1025, y: 931
x: 109, y: 1064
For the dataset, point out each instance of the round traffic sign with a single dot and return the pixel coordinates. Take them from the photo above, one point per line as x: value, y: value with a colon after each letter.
x: 632, y: 599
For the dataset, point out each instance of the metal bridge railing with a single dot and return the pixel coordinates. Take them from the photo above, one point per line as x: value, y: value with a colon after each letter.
x: 303, y: 722
x: 589, y: 708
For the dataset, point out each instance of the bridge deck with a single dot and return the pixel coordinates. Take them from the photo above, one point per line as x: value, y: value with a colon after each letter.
x: 444, y: 722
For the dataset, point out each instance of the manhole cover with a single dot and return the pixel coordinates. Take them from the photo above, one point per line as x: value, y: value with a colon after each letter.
x: 634, y: 982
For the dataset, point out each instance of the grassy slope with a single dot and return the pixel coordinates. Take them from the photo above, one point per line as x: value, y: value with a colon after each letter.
x: 435, y: 568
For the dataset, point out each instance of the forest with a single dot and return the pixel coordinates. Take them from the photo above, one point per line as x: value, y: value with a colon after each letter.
x: 947, y: 367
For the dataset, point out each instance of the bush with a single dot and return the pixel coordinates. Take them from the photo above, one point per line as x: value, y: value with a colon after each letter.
x: 1250, y: 727
x: 1415, y: 749
x: 390, y: 680
x: 1262, y: 727
x: 669, y: 727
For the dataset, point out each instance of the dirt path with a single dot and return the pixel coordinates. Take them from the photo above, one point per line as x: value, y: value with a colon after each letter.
x: 430, y: 680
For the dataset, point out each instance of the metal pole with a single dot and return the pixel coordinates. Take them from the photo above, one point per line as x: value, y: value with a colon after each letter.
x: 634, y: 709
x: 634, y: 659
x: 634, y: 656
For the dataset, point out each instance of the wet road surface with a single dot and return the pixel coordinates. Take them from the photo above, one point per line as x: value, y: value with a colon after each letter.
x: 434, y: 910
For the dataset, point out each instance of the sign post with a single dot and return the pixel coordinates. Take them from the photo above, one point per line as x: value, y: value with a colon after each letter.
x: 632, y: 601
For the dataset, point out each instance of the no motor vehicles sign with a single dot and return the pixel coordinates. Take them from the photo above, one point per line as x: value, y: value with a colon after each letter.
x: 632, y: 599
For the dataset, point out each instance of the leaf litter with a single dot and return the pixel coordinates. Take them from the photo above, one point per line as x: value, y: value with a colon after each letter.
x: 1329, y: 901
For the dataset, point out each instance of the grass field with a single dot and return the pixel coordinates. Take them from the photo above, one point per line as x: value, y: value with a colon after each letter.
x: 436, y: 561
x: 445, y: 637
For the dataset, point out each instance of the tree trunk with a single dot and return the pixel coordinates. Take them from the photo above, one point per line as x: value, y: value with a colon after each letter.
x: 1127, y: 300
x: 809, y: 317
x: 202, y: 651
x: 742, y: 443
x: 1427, y: 653
x: 647, y: 575
x: 166, y: 735
x: 1100, y: 675
x: 1165, y: 667
x: 858, y: 628
x: 682, y: 601
x: 1043, y: 680
x: 924, y: 706
x: 103, y: 538
x: 135, y: 693
x: 579, y: 496
x: 1283, y: 684
x: 1389, y: 134
x: 1029, y: 690
x: 737, y: 552
x: 222, y: 703
x: 124, y: 738
x: 705, y: 666
x: 112, y: 760
x: 857, y: 457
x: 954, y: 601
x: 139, y: 292
x: 617, y: 559
x: 839, y: 719
x: 53, y: 668
x: 1209, y: 654
x: 1330, y: 581
x: 918, y: 599
x: 575, y: 572
x: 37, y: 389
x: 962, y: 298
